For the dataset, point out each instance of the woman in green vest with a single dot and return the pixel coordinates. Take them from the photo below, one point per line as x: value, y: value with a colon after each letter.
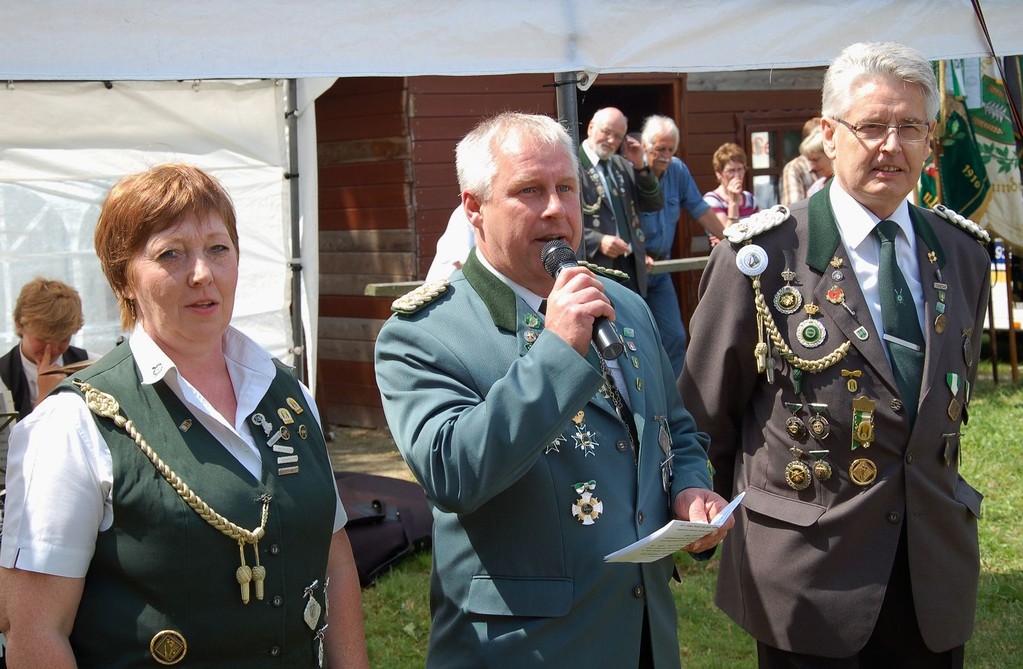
x: 174, y: 503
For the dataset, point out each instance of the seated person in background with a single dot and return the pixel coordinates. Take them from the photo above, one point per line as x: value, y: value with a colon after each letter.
x: 453, y: 246
x: 799, y: 174
x: 660, y: 142
x: 812, y: 148
x: 729, y: 201
x: 46, y: 316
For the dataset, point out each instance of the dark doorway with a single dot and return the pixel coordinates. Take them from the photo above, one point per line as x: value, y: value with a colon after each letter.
x: 635, y: 101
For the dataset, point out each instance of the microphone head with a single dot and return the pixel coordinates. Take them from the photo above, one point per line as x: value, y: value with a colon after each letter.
x: 557, y: 254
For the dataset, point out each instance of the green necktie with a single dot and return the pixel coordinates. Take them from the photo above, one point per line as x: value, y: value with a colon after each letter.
x: 902, y: 333
x: 616, y: 202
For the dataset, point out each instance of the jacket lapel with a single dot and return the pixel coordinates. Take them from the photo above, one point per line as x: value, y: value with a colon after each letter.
x: 824, y: 243
x: 931, y: 260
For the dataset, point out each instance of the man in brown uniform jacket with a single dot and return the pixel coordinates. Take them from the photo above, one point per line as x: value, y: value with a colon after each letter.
x: 833, y: 374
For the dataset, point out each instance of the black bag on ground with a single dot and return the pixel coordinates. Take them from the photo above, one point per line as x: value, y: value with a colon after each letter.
x: 388, y: 520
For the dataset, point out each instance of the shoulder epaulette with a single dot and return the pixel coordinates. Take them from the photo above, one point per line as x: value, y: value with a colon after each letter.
x: 416, y: 299
x: 961, y: 221
x: 751, y: 226
x: 616, y: 274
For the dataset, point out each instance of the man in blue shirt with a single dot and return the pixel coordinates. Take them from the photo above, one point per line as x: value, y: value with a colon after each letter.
x: 660, y: 142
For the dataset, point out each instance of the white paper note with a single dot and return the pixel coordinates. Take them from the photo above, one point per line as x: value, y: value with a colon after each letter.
x: 674, y: 536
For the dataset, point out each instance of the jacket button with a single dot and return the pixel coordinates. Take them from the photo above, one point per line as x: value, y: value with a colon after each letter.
x: 277, y: 600
x: 639, y: 518
x: 622, y: 445
x: 893, y: 517
x: 274, y: 549
x: 638, y: 592
x: 274, y: 651
x: 909, y: 458
x: 896, y: 405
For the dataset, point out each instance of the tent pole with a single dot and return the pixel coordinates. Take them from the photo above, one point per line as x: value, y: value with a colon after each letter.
x: 568, y: 108
x: 297, y: 331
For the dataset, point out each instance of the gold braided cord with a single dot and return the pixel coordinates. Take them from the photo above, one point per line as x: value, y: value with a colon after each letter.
x: 105, y: 405
x: 811, y: 366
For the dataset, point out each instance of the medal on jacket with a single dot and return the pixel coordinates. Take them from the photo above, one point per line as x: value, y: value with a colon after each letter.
x: 311, y: 613
x: 818, y: 424
x: 952, y: 381
x: 794, y: 424
x: 585, y: 440
x: 587, y: 508
x: 851, y: 375
x: 788, y: 299
x: 862, y: 471
x: 664, y: 441
x: 821, y: 467
x: 811, y: 333
x: 862, y: 422
x: 797, y: 474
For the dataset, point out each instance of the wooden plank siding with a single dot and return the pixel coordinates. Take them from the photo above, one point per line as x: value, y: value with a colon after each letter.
x: 711, y: 118
x: 365, y: 175
x: 387, y: 186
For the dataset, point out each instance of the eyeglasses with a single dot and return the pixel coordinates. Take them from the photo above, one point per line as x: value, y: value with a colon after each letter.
x: 911, y: 133
x: 608, y: 132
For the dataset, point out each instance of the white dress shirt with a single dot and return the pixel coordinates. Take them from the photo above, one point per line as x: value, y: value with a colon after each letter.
x: 856, y: 226
x: 60, y: 472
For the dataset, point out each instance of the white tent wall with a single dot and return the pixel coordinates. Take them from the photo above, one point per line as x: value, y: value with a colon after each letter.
x: 127, y: 39
x: 63, y: 144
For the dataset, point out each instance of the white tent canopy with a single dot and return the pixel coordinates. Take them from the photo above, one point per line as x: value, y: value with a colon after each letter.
x: 127, y: 39
x: 65, y: 137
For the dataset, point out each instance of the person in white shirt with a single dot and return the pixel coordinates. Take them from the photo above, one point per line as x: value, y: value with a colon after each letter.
x: 453, y: 246
x: 46, y: 315
x: 176, y: 497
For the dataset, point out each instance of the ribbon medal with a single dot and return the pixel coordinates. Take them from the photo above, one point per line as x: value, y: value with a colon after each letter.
x: 818, y: 424
x: 952, y: 381
x: 821, y: 467
x: 587, y: 508
x: 863, y: 422
x: 793, y: 424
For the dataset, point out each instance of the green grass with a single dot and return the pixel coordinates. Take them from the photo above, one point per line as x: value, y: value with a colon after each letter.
x: 398, y: 613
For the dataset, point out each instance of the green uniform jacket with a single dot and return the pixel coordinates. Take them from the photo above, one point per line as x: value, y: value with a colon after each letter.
x: 806, y: 570
x: 507, y: 434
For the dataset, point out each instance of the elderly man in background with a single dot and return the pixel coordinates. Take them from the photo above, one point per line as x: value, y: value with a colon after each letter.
x: 835, y: 393
x: 614, y: 189
x: 660, y: 143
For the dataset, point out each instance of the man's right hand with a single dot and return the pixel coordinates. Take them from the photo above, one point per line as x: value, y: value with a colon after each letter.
x: 576, y: 301
x: 613, y: 246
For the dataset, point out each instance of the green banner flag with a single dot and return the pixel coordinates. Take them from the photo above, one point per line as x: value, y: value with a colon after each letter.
x: 958, y: 178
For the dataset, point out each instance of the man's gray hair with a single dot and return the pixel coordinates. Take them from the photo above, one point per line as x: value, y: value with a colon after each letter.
x: 655, y: 125
x: 476, y: 154
x: 865, y: 60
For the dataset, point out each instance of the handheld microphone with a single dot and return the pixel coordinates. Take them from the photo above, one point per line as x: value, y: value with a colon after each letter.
x: 556, y: 256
